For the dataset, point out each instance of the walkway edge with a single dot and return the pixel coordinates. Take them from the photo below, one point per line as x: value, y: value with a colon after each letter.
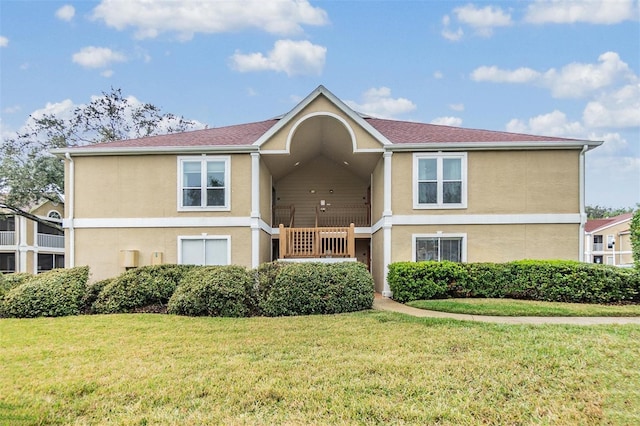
x: 386, y: 304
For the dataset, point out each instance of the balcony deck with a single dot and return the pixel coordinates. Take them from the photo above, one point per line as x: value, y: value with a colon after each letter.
x: 321, y: 242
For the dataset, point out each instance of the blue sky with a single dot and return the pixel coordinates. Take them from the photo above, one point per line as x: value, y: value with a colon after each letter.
x: 558, y: 68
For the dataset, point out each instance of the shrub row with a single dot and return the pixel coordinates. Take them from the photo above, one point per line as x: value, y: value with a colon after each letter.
x: 554, y: 281
x: 273, y: 289
x: 56, y: 293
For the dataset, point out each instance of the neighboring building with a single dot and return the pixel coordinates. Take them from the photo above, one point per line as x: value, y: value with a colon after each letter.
x: 290, y: 187
x: 608, y: 240
x: 29, y: 246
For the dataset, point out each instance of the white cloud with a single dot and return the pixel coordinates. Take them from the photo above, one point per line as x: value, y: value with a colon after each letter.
x: 447, y: 32
x: 378, y: 102
x: 589, y: 11
x: 97, y: 57
x: 497, y: 75
x: 438, y: 75
x: 447, y: 121
x: 66, y: 12
x: 457, y: 107
x: 552, y: 124
x: 617, y: 109
x: 107, y: 73
x: 483, y: 20
x: 288, y: 56
x: 577, y: 80
x: 11, y: 110
x: 188, y: 17
x: 4, y: 42
x: 574, y: 80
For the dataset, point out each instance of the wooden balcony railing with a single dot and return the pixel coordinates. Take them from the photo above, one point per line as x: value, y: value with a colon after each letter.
x: 317, y: 242
x: 284, y: 215
x: 342, y: 215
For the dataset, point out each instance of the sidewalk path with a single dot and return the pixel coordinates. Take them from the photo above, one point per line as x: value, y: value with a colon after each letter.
x: 386, y: 304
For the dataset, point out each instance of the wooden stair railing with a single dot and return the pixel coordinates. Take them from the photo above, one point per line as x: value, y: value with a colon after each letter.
x: 317, y: 242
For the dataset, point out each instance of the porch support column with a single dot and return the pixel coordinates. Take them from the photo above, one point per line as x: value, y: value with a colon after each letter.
x: 387, y: 217
x: 255, y: 209
x: 23, y: 245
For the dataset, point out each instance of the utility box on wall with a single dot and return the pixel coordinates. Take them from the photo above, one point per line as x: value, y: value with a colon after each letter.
x: 156, y: 258
x: 129, y: 258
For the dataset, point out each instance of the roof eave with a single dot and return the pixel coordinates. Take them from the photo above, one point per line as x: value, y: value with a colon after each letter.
x: 201, y: 149
x: 483, y: 146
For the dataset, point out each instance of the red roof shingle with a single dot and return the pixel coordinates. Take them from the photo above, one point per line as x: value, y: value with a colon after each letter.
x: 595, y: 224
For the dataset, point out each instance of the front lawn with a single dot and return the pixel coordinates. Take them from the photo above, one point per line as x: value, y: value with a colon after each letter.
x: 526, y: 308
x: 362, y: 368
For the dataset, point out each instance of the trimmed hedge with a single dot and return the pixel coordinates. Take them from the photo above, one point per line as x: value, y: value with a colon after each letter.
x: 423, y: 280
x: 219, y: 291
x: 553, y: 281
x: 9, y: 281
x: 319, y: 288
x: 138, y: 288
x: 51, y: 294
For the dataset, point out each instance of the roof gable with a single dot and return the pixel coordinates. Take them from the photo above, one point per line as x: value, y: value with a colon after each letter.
x: 595, y: 225
x: 321, y: 91
x: 390, y: 135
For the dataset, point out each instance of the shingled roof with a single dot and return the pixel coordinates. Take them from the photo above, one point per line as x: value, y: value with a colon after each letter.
x: 392, y: 133
x: 397, y: 132
x: 597, y: 224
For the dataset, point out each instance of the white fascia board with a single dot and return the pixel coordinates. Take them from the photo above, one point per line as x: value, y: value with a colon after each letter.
x: 484, y: 146
x: 160, y: 222
x: 201, y: 149
x: 487, y: 219
x: 321, y: 90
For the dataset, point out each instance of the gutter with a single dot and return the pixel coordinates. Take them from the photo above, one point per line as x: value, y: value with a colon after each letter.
x: 583, y: 215
x: 70, y: 219
x: 512, y: 145
x: 90, y: 151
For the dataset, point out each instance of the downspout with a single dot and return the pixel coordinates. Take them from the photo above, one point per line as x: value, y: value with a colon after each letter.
x: 69, y: 201
x: 583, y: 214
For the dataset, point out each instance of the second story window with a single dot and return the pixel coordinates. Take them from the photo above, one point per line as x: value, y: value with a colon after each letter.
x: 440, y: 180
x: 203, y: 183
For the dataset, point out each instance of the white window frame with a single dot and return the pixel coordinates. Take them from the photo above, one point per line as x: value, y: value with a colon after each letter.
x: 204, y: 159
x: 439, y: 157
x: 204, y: 237
x: 440, y: 235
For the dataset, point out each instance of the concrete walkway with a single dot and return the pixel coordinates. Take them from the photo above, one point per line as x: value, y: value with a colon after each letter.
x: 385, y: 304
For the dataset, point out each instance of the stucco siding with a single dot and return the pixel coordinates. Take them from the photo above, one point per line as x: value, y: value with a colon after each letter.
x: 377, y: 260
x: 146, y: 186
x: 265, y: 193
x: 502, y: 182
x: 100, y: 248
x: 498, y: 243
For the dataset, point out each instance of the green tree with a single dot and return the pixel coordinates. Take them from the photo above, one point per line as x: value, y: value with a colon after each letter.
x: 30, y: 174
x: 600, y: 212
x: 635, y: 237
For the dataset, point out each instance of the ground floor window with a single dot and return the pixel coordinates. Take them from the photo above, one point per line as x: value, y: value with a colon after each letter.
x: 49, y: 261
x: 597, y: 259
x: 7, y: 263
x: 439, y: 247
x: 204, y: 250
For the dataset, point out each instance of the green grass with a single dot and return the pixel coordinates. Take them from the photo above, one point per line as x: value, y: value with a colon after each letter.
x: 524, y: 308
x: 362, y: 368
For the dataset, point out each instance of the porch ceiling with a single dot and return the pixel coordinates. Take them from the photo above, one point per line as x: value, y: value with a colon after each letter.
x: 321, y: 136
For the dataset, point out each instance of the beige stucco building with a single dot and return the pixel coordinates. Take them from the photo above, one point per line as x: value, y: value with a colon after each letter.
x: 608, y: 241
x: 324, y: 182
x: 29, y: 246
